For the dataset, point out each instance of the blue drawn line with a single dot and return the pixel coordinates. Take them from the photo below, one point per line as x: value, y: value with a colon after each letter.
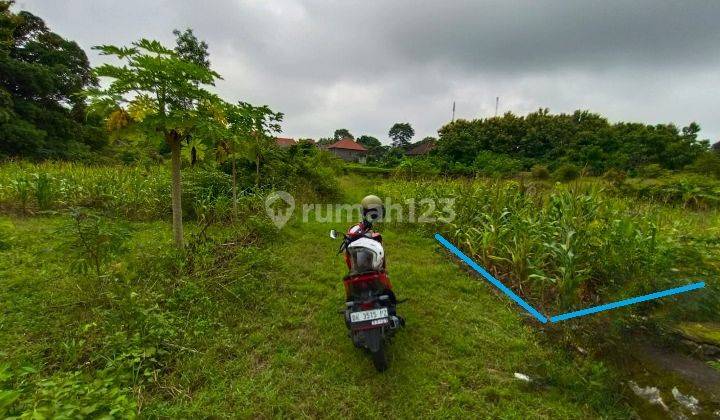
x: 534, y: 312
x: 630, y: 301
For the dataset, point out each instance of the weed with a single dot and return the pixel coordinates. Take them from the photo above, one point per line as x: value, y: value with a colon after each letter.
x: 91, y: 242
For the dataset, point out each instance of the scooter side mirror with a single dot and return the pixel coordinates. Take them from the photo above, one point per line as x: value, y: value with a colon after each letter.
x: 333, y: 233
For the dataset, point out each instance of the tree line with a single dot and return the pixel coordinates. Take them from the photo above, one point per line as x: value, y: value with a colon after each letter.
x: 582, y: 138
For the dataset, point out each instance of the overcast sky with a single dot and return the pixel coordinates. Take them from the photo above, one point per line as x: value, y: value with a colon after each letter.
x: 364, y: 65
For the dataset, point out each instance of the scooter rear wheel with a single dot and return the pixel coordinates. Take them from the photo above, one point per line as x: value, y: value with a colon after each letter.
x: 379, y: 359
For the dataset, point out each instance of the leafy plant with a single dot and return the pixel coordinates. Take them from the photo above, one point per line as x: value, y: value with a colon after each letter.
x: 43, y: 191
x: 91, y: 242
x: 566, y: 172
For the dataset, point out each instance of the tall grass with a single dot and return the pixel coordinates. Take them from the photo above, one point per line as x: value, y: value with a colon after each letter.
x: 128, y: 192
x: 573, y: 245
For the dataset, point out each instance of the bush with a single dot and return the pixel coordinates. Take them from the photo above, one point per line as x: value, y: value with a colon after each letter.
x: 91, y: 242
x: 689, y: 190
x: 496, y: 164
x: 652, y: 170
x: 566, y: 172
x: 706, y: 164
x: 416, y: 167
x: 540, y: 172
x: 615, y: 176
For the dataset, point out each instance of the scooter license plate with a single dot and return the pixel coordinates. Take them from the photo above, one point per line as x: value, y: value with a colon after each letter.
x: 368, y: 315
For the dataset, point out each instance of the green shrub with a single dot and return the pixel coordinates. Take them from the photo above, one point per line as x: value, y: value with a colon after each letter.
x: 706, y: 164
x: 566, y: 172
x: 689, y: 190
x: 416, y: 167
x: 652, y: 170
x: 548, y: 243
x: 615, y: 176
x: 91, y: 242
x: 43, y: 191
x: 65, y: 395
x: 540, y: 172
x: 495, y: 164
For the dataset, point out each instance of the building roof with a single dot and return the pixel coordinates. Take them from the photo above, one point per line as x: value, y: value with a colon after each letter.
x: 348, y: 144
x: 284, y: 141
x: 421, y: 149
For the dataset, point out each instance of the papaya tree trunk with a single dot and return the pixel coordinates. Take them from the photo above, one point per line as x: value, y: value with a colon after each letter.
x: 234, y: 188
x: 174, y: 141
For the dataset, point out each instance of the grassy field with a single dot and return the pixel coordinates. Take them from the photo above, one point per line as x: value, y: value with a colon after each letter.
x: 246, y: 325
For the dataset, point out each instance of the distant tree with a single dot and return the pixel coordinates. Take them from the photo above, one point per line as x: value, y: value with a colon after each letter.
x: 373, y: 145
x: 583, y: 138
x: 250, y: 133
x: 325, y: 141
x: 706, y: 164
x: 164, y: 94
x: 42, y: 76
x: 189, y: 48
x: 261, y: 125
x: 369, y: 142
x: 401, y: 133
x: 342, y: 133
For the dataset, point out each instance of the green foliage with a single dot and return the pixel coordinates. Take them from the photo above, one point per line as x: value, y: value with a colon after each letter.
x: 574, y: 246
x: 369, y: 142
x: 566, y: 172
x: 43, y: 191
x: 494, y: 164
x: 41, y: 105
x: 540, y: 172
x: 688, y: 190
x: 582, y: 138
x: 251, y: 131
x: 416, y: 168
x: 342, y: 133
x: 64, y: 395
x: 189, y: 48
x: 91, y: 242
x: 401, y: 133
x: 353, y: 168
x: 136, y: 193
x: 707, y: 163
x: 652, y: 170
x: 615, y: 177
x: 373, y: 145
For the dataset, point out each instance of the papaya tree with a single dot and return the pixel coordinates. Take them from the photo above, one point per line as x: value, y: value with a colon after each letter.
x: 252, y: 132
x: 164, y: 93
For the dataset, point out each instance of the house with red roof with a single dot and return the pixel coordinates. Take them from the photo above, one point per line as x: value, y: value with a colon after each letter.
x: 284, y: 142
x: 348, y: 150
x: 421, y: 149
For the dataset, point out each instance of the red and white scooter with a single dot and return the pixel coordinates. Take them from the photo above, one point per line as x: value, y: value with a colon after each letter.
x: 369, y: 299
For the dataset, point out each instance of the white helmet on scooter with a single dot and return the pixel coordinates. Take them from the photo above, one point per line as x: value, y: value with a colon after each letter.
x: 366, y: 255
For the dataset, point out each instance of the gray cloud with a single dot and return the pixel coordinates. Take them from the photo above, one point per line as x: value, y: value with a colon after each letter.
x: 365, y: 65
